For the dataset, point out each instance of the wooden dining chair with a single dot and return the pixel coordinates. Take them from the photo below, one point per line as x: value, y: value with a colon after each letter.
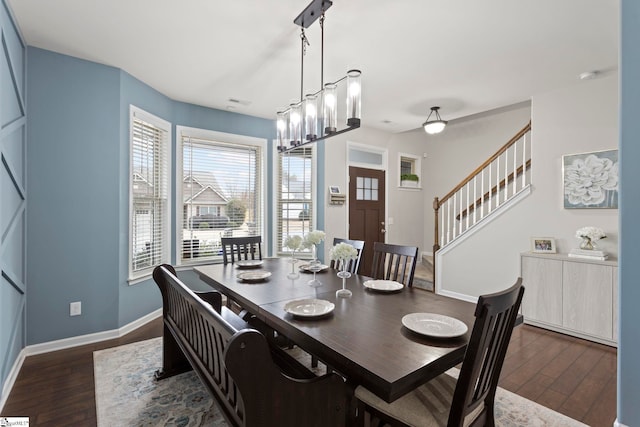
x: 394, y: 262
x: 468, y: 401
x: 241, y: 248
x: 353, y: 264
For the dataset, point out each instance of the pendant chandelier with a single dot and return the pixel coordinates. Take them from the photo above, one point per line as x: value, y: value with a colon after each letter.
x: 315, y: 116
x: 436, y: 125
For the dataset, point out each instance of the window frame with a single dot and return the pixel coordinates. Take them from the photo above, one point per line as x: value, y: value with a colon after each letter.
x: 277, y: 196
x: 416, y: 168
x: 165, y: 126
x: 221, y: 138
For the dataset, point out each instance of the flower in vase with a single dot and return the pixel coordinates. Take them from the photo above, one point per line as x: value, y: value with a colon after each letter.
x: 313, y: 238
x: 343, y: 252
x: 591, y: 233
x: 293, y: 242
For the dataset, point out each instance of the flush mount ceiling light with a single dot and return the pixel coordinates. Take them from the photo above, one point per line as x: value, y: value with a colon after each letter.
x: 315, y: 117
x: 436, y: 125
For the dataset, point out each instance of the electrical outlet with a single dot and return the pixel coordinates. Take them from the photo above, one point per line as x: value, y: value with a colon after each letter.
x: 75, y: 308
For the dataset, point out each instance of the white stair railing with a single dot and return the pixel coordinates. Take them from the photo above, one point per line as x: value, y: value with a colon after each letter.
x: 499, y: 179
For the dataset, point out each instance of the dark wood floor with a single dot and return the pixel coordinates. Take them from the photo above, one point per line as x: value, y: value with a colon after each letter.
x: 572, y: 376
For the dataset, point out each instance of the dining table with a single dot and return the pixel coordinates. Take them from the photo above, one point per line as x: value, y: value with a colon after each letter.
x: 362, y: 336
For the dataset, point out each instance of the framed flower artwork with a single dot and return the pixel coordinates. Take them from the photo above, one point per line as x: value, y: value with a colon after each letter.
x: 590, y: 180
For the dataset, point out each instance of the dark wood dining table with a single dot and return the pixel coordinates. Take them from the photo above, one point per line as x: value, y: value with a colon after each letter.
x: 363, y: 338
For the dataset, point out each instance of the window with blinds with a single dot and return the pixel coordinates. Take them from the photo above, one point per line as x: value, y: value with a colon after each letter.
x: 149, y: 191
x: 295, y: 210
x: 221, y: 195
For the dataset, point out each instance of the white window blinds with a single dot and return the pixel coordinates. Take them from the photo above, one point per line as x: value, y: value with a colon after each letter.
x: 149, y: 190
x: 295, y: 209
x: 221, y: 195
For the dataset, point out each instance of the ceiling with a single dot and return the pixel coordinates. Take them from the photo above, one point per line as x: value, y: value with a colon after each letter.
x: 466, y: 56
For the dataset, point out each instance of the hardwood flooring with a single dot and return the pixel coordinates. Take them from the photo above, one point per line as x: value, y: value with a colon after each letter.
x: 570, y: 375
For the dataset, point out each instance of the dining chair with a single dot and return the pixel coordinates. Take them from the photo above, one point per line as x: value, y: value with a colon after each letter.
x: 353, y: 264
x: 394, y: 262
x: 242, y: 248
x: 469, y: 401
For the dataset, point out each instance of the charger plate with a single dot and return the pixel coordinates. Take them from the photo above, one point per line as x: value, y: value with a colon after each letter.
x: 249, y: 263
x: 434, y: 325
x: 383, y: 285
x: 254, y: 276
x: 309, y: 307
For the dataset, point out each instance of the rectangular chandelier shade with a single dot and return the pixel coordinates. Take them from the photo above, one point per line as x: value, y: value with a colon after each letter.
x: 316, y: 116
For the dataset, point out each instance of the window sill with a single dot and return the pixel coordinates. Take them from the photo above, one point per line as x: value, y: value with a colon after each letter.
x: 404, y: 187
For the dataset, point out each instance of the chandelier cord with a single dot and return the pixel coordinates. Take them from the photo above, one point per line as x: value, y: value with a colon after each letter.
x: 322, y: 51
x: 304, y: 43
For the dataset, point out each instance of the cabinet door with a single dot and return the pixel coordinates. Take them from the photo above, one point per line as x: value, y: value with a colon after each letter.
x: 588, y: 298
x: 542, y: 279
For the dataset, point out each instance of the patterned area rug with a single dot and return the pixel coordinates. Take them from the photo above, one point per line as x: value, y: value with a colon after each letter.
x: 127, y: 395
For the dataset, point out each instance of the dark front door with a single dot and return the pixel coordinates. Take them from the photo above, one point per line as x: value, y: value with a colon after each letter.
x: 366, y: 211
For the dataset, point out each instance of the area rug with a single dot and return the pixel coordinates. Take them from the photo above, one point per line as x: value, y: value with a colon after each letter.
x: 127, y: 395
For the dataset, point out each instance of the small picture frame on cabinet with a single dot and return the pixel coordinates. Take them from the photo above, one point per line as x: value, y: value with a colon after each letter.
x: 543, y: 245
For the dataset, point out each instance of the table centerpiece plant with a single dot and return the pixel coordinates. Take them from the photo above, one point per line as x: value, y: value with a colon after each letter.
x: 589, y: 236
x: 293, y: 242
x: 342, y: 253
x: 310, y: 241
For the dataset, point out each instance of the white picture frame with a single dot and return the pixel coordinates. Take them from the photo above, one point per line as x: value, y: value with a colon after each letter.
x: 543, y: 245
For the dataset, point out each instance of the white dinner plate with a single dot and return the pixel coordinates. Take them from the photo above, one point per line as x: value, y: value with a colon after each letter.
x: 253, y: 276
x: 305, y: 268
x: 249, y: 263
x: 434, y: 325
x: 383, y: 285
x: 309, y: 307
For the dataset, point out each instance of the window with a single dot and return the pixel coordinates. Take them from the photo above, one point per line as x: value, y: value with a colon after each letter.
x: 220, y: 186
x: 149, y: 193
x: 409, y: 167
x: 295, y: 209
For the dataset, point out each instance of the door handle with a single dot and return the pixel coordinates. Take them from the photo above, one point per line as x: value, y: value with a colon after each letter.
x: 383, y: 231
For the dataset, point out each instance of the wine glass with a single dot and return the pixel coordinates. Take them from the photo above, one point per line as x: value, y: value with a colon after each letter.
x: 294, y: 274
x: 344, y: 275
x: 314, y: 267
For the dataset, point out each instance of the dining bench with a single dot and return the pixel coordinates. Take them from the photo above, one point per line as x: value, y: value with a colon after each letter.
x: 253, y: 383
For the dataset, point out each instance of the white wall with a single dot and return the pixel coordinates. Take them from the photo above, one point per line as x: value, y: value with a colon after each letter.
x: 576, y: 119
x: 405, y: 207
x: 460, y: 149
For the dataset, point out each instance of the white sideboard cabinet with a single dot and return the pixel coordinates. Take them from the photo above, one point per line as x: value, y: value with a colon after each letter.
x: 574, y: 296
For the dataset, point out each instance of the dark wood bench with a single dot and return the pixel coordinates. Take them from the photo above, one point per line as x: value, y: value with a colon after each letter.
x: 253, y: 383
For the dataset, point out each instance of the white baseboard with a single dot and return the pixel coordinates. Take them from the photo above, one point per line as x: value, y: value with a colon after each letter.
x: 91, y: 338
x: 618, y: 424
x: 11, y: 378
x: 457, y: 295
x: 62, y: 344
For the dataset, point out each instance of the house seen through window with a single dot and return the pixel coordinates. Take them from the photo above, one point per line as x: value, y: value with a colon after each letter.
x: 221, y: 194
x: 149, y: 235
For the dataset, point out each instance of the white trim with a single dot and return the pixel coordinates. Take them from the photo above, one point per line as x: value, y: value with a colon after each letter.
x: 68, y: 343
x: 90, y: 338
x: 219, y: 138
x: 11, y: 378
x: 165, y: 126
x: 504, y: 207
x: 384, y: 153
x: 457, y: 295
x: 617, y: 423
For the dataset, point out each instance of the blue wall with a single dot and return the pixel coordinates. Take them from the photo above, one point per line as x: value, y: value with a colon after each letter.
x: 629, y: 296
x: 79, y: 173
x: 74, y: 166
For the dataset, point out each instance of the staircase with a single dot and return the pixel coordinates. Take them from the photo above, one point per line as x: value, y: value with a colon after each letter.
x: 423, y: 276
x: 500, y: 181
